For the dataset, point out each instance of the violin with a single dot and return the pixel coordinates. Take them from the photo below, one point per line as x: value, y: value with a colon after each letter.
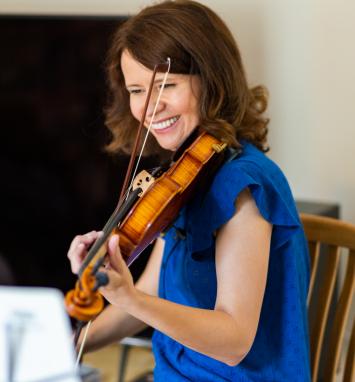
x: 144, y: 212
x: 151, y: 208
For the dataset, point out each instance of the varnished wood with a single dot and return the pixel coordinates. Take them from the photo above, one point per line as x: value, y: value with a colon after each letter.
x: 338, y: 236
x: 160, y: 205
x: 314, y: 248
x: 349, y: 372
x: 153, y: 213
x: 84, y: 302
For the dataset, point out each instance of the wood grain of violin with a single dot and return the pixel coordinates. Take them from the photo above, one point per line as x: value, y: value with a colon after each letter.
x: 161, y: 203
x: 152, y: 214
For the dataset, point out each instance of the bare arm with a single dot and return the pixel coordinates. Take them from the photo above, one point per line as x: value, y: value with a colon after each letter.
x: 227, y: 332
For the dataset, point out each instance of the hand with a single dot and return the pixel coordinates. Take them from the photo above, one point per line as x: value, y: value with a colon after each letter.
x: 79, y: 248
x: 120, y: 290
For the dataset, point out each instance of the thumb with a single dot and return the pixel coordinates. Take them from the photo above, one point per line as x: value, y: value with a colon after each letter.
x: 114, y: 252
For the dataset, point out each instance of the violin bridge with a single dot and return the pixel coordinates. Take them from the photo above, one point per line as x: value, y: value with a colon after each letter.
x: 219, y: 147
x: 143, y: 180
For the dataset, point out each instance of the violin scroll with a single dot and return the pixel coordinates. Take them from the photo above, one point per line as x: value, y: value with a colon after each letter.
x: 85, y: 302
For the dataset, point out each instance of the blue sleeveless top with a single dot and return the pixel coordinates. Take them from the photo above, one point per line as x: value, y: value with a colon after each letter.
x: 280, y: 351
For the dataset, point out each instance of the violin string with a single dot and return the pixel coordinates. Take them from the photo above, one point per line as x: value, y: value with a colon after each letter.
x: 151, y: 121
x: 82, y: 345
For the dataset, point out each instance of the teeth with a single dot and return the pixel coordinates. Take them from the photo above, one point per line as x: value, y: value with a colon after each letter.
x: 164, y: 124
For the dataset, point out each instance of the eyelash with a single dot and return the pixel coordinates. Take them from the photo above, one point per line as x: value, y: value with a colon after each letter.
x: 168, y: 85
x: 138, y: 91
x: 134, y: 91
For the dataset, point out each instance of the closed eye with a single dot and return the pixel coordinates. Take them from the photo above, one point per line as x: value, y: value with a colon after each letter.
x: 139, y: 91
x: 134, y: 90
x: 168, y: 85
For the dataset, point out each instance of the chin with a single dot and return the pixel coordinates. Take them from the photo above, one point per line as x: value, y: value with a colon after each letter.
x: 171, y: 146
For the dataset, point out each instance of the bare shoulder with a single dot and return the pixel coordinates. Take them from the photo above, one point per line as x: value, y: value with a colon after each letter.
x: 246, y: 219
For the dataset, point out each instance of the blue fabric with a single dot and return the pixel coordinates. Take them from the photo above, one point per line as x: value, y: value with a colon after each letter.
x: 280, y: 351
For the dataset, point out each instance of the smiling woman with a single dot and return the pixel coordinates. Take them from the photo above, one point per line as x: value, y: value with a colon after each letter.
x: 177, y: 113
x: 227, y: 108
x: 225, y: 289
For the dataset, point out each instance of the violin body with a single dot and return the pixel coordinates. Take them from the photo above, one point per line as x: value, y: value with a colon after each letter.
x: 160, y: 204
x: 150, y: 215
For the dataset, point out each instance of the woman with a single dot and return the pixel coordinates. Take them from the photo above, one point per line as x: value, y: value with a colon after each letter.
x: 225, y: 289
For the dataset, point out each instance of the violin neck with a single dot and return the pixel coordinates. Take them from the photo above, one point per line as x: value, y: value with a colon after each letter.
x: 98, y: 249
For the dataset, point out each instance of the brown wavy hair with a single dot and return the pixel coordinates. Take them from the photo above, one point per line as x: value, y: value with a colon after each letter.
x: 198, y: 42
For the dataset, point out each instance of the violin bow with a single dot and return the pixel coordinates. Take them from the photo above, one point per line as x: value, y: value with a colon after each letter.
x: 163, y: 67
x: 125, y: 201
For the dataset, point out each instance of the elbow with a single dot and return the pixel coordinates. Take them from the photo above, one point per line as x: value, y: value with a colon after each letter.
x: 238, y: 353
x: 235, y: 359
x: 238, y: 341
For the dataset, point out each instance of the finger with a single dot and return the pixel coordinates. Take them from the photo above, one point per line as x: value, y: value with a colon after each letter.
x: 114, y: 252
x: 87, y: 238
x: 78, y: 248
x: 76, y: 257
x: 83, y: 241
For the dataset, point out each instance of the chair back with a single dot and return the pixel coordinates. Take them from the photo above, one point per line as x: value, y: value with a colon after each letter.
x: 337, y: 239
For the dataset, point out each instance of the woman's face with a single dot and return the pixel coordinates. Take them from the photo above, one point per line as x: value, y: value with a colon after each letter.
x: 177, y: 114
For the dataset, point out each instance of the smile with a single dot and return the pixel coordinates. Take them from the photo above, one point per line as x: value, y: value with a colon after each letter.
x: 163, y: 125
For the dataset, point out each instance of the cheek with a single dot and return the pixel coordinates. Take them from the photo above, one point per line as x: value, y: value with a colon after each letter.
x: 135, y: 109
x: 187, y: 106
x: 193, y: 109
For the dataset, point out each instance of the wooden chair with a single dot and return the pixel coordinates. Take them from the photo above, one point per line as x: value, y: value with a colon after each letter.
x: 126, y: 345
x: 333, y: 236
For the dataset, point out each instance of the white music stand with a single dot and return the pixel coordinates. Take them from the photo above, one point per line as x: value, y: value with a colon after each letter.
x: 35, y: 336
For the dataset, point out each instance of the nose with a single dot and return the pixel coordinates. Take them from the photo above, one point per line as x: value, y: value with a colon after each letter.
x: 154, y: 104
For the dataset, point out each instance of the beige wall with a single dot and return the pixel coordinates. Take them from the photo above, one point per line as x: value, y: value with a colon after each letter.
x: 303, y: 50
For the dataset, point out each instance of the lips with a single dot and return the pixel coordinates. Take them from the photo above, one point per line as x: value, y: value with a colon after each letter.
x: 164, y: 124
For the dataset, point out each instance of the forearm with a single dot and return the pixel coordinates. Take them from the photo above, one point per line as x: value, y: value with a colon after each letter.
x: 211, y: 332
x: 110, y: 326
